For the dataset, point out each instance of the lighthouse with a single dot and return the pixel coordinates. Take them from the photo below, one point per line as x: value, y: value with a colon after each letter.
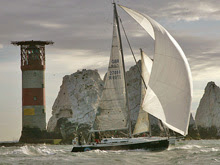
x: 33, y: 89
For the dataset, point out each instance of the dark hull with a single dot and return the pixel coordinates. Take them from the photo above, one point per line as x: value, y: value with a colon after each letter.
x: 157, y: 145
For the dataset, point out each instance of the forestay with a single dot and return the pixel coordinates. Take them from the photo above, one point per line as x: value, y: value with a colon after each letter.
x: 112, y: 111
x: 170, y: 78
x: 142, y: 124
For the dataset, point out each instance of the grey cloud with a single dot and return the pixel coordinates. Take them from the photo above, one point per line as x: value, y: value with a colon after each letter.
x: 87, y: 25
x: 199, y: 51
x: 193, y: 10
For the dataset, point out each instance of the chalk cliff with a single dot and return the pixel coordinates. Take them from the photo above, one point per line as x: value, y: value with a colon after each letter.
x: 76, y: 103
x: 193, y: 132
x: 208, y: 112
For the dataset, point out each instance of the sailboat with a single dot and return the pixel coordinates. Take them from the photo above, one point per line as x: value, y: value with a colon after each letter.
x: 166, y: 91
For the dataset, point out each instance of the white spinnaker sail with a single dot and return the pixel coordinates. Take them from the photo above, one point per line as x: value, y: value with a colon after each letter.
x: 170, y: 78
x: 112, y: 111
x: 142, y: 124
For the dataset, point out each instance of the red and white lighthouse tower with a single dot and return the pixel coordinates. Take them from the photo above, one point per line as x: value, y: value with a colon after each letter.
x: 33, y: 88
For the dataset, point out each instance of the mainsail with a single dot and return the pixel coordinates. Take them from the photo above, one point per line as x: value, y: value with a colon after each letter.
x: 112, y: 110
x: 170, y: 78
x: 142, y: 124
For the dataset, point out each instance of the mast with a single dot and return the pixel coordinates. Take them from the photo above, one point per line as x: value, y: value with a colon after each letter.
x: 126, y: 91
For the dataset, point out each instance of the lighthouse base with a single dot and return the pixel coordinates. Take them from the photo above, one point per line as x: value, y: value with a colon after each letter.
x: 35, y: 135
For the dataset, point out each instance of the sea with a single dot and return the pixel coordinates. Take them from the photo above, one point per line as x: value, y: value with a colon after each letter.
x: 189, y: 152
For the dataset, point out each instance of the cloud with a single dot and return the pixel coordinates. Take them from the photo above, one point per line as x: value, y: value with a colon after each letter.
x: 184, y: 10
x: 177, y: 10
x: 47, y: 24
x: 187, y: 10
x: 86, y: 26
x: 72, y: 60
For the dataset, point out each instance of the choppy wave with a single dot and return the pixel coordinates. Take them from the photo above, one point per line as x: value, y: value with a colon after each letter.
x: 189, y: 147
x: 98, y: 151
x: 195, y: 148
x: 186, y: 152
x: 33, y: 150
x: 120, y: 151
x: 210, y: 150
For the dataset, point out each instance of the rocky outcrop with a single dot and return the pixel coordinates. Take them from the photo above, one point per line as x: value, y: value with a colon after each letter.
x: 208, y: 113
x: 193, y: 132
x: 134, y: 91
x: 76, y: 103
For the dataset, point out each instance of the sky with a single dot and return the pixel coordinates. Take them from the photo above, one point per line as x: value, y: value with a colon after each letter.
x: 82, y: 31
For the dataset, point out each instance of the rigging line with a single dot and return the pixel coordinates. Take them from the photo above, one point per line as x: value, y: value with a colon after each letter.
x: 133, y: 52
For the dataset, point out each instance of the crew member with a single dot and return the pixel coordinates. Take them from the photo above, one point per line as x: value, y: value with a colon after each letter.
x: 97, y: 138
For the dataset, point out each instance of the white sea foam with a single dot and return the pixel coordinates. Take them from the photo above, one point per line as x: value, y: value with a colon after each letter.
x: 28, y: 150
x: 217, y: 160
x: 99, y: 151
x: 34, y: 150
x: 209, y: 150
x: 188, y: 147
x: 185, y: 147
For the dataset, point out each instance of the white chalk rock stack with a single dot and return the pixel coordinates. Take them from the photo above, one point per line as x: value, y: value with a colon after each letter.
x: 208, y: 112
x: 78, y: 98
